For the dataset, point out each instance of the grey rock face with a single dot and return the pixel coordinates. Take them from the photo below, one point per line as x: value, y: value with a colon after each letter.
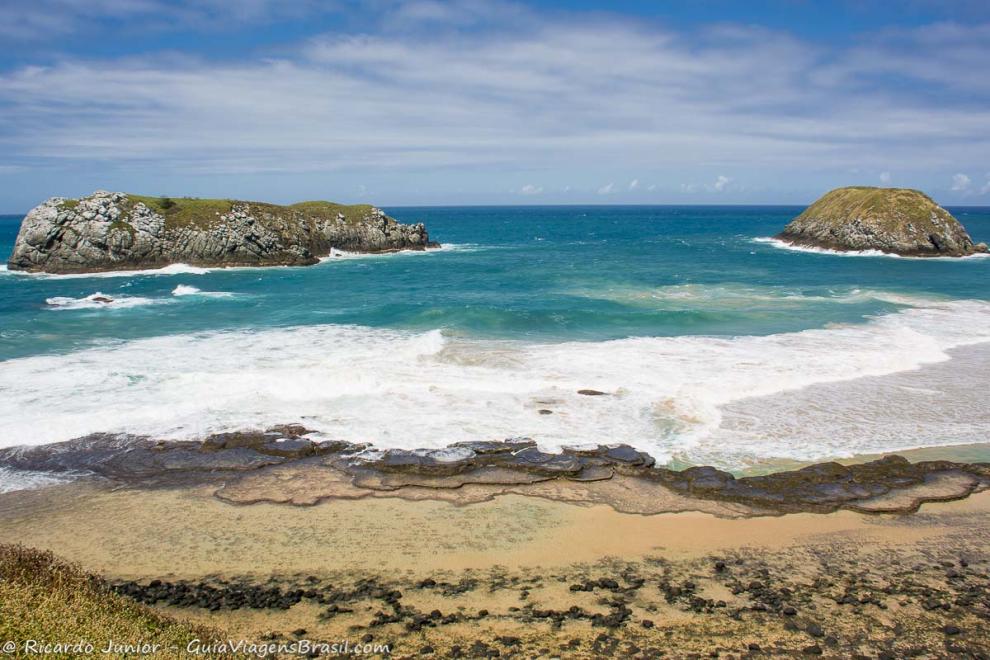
x: 892, y: 220
x: 112, y: 231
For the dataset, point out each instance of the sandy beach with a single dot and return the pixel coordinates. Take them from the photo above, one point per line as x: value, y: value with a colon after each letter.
x: 529, y: 575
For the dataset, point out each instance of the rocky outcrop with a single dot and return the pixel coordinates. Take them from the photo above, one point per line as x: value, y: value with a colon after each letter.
x: 116, y: 231
x: 892, y: 220
x: 290, y: 464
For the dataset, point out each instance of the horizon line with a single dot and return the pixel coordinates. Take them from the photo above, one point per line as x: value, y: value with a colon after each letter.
x: 585, y: 205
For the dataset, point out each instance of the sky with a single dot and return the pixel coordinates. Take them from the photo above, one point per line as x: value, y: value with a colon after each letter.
x: 422, y: 102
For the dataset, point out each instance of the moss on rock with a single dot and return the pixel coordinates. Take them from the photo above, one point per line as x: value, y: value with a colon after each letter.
x: 892, y: 220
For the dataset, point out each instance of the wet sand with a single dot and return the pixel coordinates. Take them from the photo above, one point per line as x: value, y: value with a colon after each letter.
x: 131, y: 533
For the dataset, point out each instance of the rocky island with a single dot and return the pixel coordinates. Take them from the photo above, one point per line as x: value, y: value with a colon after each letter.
x: 118, y: 231
x: 892, y: 220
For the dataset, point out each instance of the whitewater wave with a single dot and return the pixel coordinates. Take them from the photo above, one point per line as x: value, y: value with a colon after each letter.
x: 171, y: 269
x: 784, y: 245
x: 337, y: 255
x: 186, y: 269
x: 407, y: 389
x: 11, y: 480
x: 187, y: 290
x: 940, y: 404
x: 98, y: 300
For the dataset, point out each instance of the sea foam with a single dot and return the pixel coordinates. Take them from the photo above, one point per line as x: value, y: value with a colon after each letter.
x: 11, y: 480
x: 171, y: 269
x: 98, y: 300
x: 784, y: 245
x: 427, y: 390
x: 187, y: 290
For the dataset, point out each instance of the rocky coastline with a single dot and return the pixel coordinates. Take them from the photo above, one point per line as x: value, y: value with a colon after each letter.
x: 895, y: 221
x: 109, y: 231
x: 289, y: 464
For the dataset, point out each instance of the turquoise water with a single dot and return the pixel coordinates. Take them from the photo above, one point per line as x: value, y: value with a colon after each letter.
x: 676, y: 311
x: 539, y: 273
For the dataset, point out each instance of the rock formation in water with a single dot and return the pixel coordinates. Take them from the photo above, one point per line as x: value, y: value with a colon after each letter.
x: 117, y: 231
x: 892, y: 220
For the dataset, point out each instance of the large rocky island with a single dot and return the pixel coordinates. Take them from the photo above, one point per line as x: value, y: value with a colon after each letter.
x: 892, y: 220
x: 117, y: 231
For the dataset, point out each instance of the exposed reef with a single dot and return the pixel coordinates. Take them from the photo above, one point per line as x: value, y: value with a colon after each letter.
x: 289, y: 464
x: 117, y: 231
x: 892, y: 220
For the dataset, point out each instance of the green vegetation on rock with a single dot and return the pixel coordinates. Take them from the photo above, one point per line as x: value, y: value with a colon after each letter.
x: 203, y: 213
x: 184, y: 211
x: 890, y: 207
x: 893, y: 220
x: 88, y: 234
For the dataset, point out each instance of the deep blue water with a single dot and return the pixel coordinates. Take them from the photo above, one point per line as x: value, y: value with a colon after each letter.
x: 541, y: 273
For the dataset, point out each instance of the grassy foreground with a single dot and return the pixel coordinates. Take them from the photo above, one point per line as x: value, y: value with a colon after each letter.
x: 46, y: 599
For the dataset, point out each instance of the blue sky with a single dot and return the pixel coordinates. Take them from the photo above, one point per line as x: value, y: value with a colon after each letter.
x: 490, y: 102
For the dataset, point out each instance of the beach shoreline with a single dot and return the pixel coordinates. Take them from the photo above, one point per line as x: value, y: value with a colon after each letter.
x: 528, y: 575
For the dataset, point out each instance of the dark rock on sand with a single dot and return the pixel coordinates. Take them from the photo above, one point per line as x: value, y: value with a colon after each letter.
x: 891, y: 484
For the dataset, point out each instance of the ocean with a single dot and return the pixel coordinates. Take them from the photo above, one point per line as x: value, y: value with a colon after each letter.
x: 712, y: 344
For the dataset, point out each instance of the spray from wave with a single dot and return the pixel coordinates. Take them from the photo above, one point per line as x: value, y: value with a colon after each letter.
x: 186, y: 290
x: 338, y: 255
x: 11, y: 480
x: 98, y: 300
x: 784, y: 245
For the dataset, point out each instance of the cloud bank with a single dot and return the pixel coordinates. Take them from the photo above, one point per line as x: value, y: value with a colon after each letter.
x: 492, y: 90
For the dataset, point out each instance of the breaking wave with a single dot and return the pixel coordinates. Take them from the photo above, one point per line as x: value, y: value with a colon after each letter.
x: 406, y: 389
x: 784, y: 245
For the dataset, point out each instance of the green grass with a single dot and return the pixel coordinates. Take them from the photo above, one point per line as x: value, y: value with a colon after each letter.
x: 352, y: 213
x: 890, y: 205
x: 181, y: 212
x: 45, y: 598
x: 184, y: 211
x: 120, y: 225
x: 202, y: 213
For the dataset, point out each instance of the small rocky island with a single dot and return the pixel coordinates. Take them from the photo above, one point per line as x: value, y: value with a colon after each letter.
x: 117, y: 231
x: 892, y: 220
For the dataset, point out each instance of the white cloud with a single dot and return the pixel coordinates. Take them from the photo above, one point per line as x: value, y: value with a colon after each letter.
x: 634, y: 184
x: 414, y: 93
x: 885, y: 178
x: 652, y: 187
x: 27, y: 20
x: 960, y: 182
x: 530, y: 189
x: 689, y: 187
x: 986, y: 186
x: 607, y: 189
